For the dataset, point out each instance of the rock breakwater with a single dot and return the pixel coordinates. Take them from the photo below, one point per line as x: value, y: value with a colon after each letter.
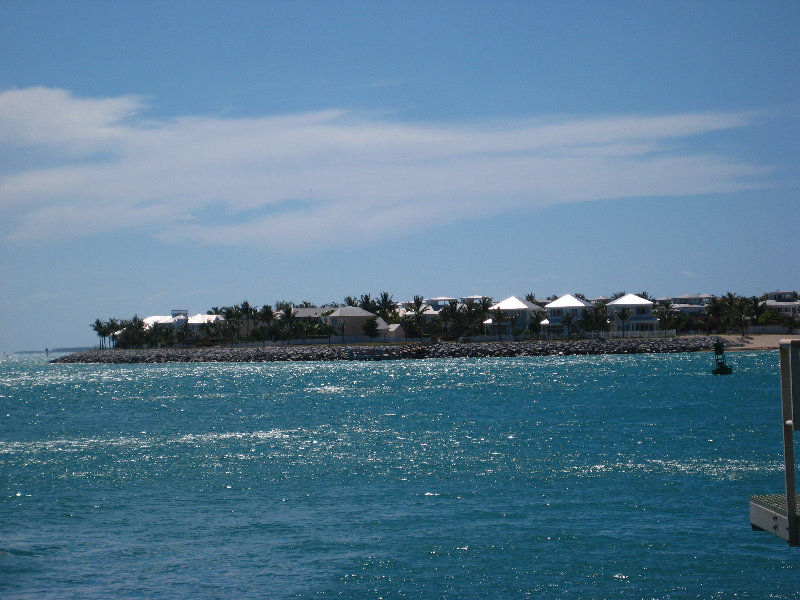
x: 392, y: 352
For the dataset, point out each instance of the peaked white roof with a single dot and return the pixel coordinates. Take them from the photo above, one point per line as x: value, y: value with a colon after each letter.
x: 150, y: 321
x: 781, y: 302
x: 567, y: 301
x: 351, y: 311
x: 514, y: 303
x: 631, y: 300
x: 307, y: 312
x: 201, y: 318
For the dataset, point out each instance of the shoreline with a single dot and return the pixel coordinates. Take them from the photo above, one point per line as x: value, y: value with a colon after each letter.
x: 330, y: 353
x: 758, y: 341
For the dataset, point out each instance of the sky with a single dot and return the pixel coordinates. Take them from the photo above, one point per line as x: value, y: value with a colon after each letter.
x: 188, y: 154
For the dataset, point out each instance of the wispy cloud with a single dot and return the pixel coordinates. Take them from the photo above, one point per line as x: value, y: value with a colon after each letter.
x: 97, y: 165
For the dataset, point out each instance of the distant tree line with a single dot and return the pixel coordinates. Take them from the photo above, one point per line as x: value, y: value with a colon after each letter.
x: 279, y: 322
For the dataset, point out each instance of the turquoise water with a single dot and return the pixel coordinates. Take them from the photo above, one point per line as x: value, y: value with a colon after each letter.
x: 576, y: 477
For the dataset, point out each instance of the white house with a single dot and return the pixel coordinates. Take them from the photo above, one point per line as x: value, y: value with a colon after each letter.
x: 783, y: 303
x: 349, y: 320
x: 392, y: 332
x: 174, y: 321
x: 566, y: 306
x: 640, y: 320
x: 518, y: 313
x: 691, y: 305
x: 200, y: 318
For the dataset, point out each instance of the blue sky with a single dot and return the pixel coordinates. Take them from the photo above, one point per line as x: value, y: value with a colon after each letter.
x: 160, y: 155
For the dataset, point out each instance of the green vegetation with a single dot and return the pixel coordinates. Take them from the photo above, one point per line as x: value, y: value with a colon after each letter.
x: 246, y: 323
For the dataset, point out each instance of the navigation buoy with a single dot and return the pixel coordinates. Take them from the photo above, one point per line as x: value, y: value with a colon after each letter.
x: 721, y: 367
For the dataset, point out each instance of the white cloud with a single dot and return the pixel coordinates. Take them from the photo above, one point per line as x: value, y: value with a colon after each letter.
x: 93, y: 166
x: 52, y: 117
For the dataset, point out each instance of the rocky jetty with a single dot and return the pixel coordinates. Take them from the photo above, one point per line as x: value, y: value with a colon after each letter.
x: 392, y: 352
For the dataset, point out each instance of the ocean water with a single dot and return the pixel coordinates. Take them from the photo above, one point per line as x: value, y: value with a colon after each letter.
x: 551, y: 477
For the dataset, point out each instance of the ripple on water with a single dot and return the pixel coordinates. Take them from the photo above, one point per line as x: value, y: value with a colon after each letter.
x: 566, y: 476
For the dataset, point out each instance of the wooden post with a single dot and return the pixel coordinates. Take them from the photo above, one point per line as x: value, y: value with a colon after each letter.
x: 790, y: 397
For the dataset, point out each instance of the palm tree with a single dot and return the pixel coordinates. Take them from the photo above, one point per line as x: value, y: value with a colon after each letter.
x: 448, y: 316
x: 738, y: 311
x: 266, y: 317
x: 756, y: 308
x: 567, y: 321
x: 112, y: 327
x: 231, y: 314
x: 715, y: 312
x: 707, y: 321
x: 482, y: 311
x: 99, y: 328
x: 370, y: 327
x: 453, y: 314
x: 535, y: 322
x: 513, y: 318
x: 600, y: 317
x: 679, y: 321
x: 160, y: 335
x: 133, y: 333
x: 624, y: 314
x: 418, y: 308
x: 499, y: 315
x: 288, y: 322
x: 368, y: 304
x: 385, y: 306
x: 246, y: 313
x: 587, y: 320
x: 663, y: 312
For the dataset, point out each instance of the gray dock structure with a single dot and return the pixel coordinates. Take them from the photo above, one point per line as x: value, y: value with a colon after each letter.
x: 777, y: 513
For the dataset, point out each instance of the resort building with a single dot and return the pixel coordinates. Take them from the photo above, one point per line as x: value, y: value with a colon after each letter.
x: 349, y: 321
x: 180, y: 318
x: 162, y: 320
x: 783, y: 303
x: 517, y: 312
x: 563, y: 315
x: 639, y: 320
x: 690, y: 305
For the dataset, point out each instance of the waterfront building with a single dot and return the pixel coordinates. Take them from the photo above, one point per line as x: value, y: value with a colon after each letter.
x: 518, y: 312
x: 782, y: 302
x: 690, y: 305
x: 641, y: 321
x: 349, y: 321
x: 563, y: 315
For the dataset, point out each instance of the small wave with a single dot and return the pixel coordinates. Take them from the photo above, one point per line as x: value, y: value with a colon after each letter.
x: 143, y: 441
x: 721, y: 469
